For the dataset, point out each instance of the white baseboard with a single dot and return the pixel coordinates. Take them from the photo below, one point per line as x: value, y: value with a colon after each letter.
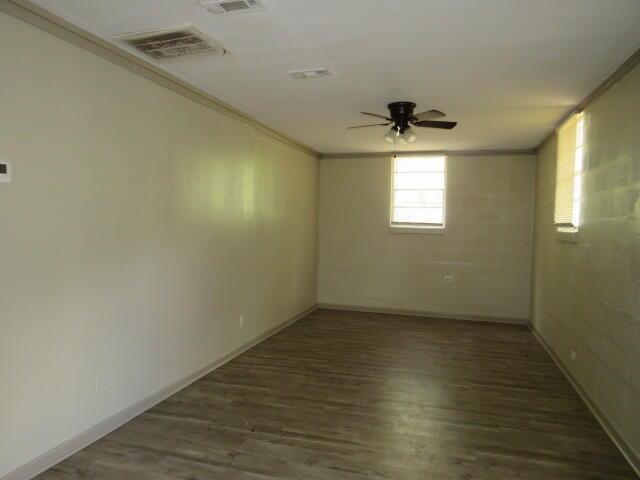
x: 422, y: 313
x: 626, y: 450
x: 68, y: 448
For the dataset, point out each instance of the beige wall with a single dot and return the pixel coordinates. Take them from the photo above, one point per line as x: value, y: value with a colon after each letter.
x: 138, y: 227
x: 486, y: 247
x: 587, y: 295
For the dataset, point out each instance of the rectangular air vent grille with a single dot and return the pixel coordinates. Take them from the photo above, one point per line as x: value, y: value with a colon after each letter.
x: 234, y: 6
x: 312, y: 73
x: 226, y: 7
x: 172, y: 43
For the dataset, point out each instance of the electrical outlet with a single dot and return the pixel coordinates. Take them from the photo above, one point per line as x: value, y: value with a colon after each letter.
x: 241, y: 320
x: 448, y: 278
x: 5, y: 172
x: 573, y: 355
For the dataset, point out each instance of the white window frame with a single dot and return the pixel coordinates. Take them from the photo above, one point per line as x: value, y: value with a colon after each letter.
x: 577, y: 173
x: 422, y: 228
x: 570, y: 233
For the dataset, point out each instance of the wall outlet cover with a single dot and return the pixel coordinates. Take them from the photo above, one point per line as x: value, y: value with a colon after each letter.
x: 5, y: 172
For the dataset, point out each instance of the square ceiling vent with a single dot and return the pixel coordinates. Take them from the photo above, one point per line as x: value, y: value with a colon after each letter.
x: 228, y: 7
x: 172, y: 42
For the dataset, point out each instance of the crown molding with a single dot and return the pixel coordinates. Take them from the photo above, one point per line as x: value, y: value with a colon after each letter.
x: 44, y: 20
x: 451, y: 153
x: 611, y: 81
x: 40, y: 18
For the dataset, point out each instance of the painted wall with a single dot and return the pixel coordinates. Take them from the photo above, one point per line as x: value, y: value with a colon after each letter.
x: 138, y: 227
x: 587, y: 295
x: 486, y: 246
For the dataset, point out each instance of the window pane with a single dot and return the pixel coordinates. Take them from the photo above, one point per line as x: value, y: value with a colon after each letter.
x: 578, y: 161
x: 580, y: 133
x: 419, y: 184
x: 576, y: 213
x: 566, y: 171
x: 577, y: 188
x: 419, y: 164
x: 418, y: 198
x: 417, y: 215
x: 418, y: 181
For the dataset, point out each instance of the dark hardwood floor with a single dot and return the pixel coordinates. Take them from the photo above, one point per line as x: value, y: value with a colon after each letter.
x: 345, y: 395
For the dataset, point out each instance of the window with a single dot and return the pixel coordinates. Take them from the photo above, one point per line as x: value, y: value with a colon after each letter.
x: 418, y: 194
x: 577, y: 172
x: 569, y: 174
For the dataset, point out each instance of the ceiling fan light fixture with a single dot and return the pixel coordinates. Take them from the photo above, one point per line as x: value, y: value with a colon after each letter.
x: 392, y: 135
x: 402, y: 118
x: 408, y: 136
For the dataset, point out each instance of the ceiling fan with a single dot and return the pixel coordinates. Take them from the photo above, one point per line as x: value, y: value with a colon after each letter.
x: 402, y: 117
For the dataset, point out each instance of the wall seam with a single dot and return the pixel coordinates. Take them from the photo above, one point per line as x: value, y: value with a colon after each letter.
x: 469, y: 153
x: 423, y: 313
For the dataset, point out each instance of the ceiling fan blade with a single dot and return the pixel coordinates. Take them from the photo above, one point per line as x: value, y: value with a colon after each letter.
x: 372, y: 125
x: 430, y: 115
x: 436, y: 124
x: 376, y: 115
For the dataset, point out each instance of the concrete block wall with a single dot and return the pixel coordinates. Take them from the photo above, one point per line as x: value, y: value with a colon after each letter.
x: 586, y: 296
x: 486, y: 246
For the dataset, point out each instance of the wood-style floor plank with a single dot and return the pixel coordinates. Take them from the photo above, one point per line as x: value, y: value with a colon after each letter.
x: 355, y: 396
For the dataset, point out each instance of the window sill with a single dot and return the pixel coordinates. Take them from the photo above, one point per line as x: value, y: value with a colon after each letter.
x: 569, y: 235
x: 414, y: 229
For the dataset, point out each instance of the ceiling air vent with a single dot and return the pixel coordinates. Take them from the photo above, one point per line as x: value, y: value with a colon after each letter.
x: 174, y: 42
x: 312, y: 73
x: 226, y: 7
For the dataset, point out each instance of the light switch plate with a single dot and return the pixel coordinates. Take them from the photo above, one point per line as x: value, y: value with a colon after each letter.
x: 5, y: 172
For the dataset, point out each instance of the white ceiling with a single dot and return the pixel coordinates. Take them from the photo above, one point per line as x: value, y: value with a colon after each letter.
x: 506, y: 70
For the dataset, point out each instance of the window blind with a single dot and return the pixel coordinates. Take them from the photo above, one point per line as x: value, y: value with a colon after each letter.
x: 418, y: 191
x: 566, y: 174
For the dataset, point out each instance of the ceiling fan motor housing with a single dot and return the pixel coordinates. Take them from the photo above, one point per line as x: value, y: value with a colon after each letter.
x: 402, y: 114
